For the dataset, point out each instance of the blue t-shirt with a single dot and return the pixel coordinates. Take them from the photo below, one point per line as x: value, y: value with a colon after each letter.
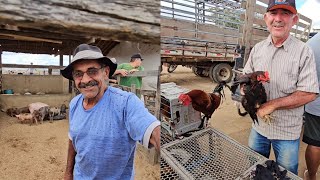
x: 104, y: 137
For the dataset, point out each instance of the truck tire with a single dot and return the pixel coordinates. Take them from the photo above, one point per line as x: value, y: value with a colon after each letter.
x: 222, y: 72
x: 198, y: 71
x: 211, y: 72
x: 194, y: 70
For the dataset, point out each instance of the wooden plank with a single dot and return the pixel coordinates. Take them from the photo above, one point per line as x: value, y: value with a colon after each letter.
x: 180, y: 24
x: 305, y: 18
x: 255, y: 20
x: 258, y: 32
x: 144, y: 73
x: 136, y: 20
x: 247, y: 31
x: 218, y: 30
x: 264, y: 1
x: 177, y: 23
x: 201, y: 35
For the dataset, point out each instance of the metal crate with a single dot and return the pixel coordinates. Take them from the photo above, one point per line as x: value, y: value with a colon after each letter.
x: 176, y: 118
x: 248, y: 175
x: 209, y: 154
x: 166, y: 172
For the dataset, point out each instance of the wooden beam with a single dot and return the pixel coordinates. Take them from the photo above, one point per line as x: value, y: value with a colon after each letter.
x: 136, y: 20
x: 248, y: 28
x: 0, y: 66
x: 45, y: 34
x: 28, y: 38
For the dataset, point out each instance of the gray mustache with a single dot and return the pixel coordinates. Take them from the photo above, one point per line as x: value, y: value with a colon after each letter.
x: 277, y: 24
x: 89, y: 84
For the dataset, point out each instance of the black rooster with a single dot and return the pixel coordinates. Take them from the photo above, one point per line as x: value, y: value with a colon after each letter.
x: 254, y: 94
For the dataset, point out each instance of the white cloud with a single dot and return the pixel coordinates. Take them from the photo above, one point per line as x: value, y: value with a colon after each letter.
x: 310, y: 9
x: 36, y: 59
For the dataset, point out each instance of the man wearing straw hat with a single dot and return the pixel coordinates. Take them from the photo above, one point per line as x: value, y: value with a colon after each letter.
x: 105, y: 122
x: 293, y: 83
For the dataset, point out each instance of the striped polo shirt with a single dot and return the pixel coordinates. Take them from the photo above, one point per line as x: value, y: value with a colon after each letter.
x: 291, y: 68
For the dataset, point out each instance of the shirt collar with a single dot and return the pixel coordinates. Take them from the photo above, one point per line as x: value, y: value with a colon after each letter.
x: 285, y: 44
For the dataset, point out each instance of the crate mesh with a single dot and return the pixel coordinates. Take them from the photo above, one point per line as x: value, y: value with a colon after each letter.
x: 209, y: 154
x: 166, y: 172
x: 165, y: 136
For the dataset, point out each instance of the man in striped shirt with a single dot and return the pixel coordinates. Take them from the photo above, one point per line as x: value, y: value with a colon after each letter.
x: 293, y: 83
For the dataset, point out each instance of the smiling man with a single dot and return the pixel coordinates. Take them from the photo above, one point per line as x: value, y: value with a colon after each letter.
x: 293, y: 83
x: 105, y: 122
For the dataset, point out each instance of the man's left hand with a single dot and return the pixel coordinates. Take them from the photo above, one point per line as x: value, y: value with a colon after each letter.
x: 265, y: 109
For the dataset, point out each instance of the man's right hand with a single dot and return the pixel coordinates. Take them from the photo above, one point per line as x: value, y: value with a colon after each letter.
x: 123, y: 72
x: 68, y: 176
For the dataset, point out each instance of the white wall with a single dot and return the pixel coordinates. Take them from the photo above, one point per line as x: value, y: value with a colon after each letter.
x: 149, y: 52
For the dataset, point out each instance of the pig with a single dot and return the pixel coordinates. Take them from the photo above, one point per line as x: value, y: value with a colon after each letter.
x: 15, y: 111
x: 36, y: 106
x: 63, y: 109
x: 52, y: 112
x: 12, y: 111
x: 25, y: 117
x: 40, y: 114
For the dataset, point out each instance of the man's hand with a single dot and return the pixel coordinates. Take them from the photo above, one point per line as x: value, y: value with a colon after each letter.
x: 133, y: 70
x: 155, y: 138
x: 122, y: 72
x: 265, y: 109
x: 68, y: 176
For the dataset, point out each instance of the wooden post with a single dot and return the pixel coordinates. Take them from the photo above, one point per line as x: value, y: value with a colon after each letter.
x: 158, y: 97
x: 248, y: 27
x: 133, y: 89
x: 0, y: 61
x: 70, y: 82
x: 0, y: 70
x: 61, y: 60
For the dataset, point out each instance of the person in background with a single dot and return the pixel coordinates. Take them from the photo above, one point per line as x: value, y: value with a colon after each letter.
x: 104, y: 122
x: 311, y: 134
x: 31, y: 69
x: 128, y: 68
x: 293, y: 83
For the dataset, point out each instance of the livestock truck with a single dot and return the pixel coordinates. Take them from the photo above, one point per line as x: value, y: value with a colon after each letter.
x: 212, y: 36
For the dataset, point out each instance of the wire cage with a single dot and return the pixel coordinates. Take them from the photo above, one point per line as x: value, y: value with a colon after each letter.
x: 176, y: 118
x: 208, y: 154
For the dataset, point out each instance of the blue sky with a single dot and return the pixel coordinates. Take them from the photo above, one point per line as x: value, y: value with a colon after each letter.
x: 309, y: 8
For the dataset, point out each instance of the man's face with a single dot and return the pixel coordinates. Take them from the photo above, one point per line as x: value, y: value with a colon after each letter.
x: 93, y: 82
x: 280, y: 22
x: 138, y: 62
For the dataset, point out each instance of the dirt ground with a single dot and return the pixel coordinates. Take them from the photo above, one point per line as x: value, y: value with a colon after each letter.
x: 226, y: 118
x: 39, y: 152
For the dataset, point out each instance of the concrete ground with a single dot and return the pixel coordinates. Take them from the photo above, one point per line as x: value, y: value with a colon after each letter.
x: 226, y: 118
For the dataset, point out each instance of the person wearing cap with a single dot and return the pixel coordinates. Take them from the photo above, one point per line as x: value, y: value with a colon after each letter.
x: 311, y: 133
x: 293, y: 83
x: 128, y: 68
x: 104, y: 122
